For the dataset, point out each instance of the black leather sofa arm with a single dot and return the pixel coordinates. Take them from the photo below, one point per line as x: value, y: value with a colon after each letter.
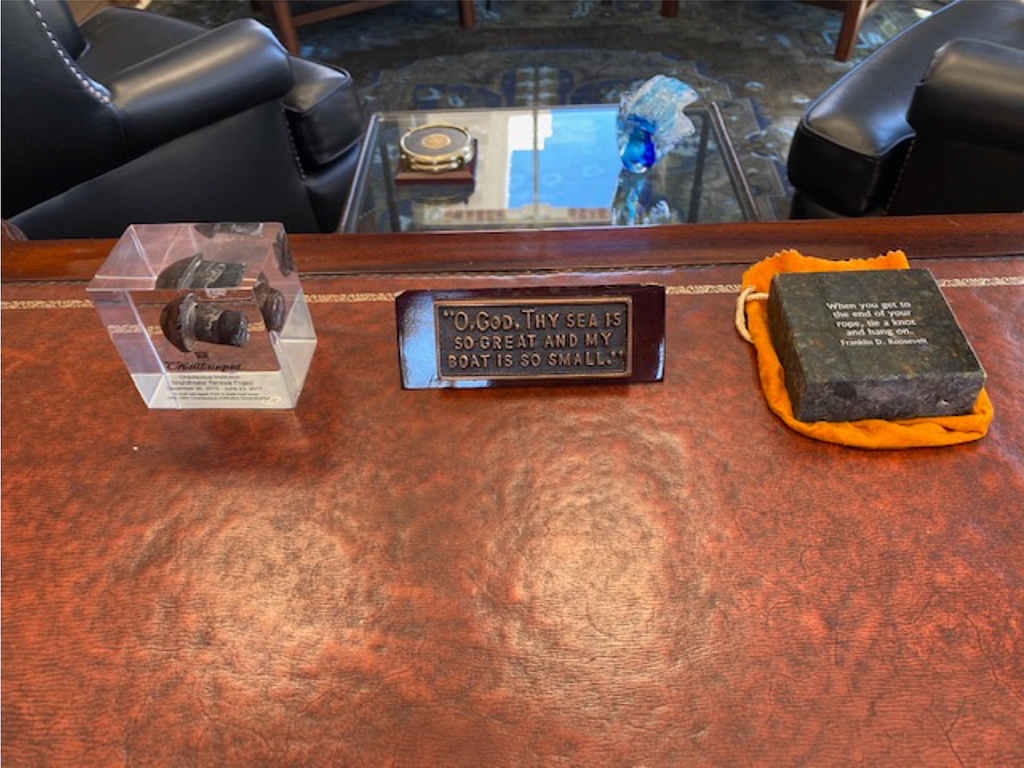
x: 324, y: 112
x: 200, y: 82
x: 849, y: 152
x: 973, y: 92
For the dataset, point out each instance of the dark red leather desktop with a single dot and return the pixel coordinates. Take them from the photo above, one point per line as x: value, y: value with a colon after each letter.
x: 656, y: 574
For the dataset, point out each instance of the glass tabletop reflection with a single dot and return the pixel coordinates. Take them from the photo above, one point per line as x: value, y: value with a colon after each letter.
x: 540, y: 168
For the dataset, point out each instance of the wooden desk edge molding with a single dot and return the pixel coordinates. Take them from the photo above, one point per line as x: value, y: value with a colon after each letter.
x: 932, y: 237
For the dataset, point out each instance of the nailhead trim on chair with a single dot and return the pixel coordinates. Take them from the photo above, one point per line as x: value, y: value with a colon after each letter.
x: 899, y: 176
x: 86, y: 82
x: 295, y: 149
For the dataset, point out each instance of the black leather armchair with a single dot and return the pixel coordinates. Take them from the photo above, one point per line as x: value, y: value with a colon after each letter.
x: 134, y: 117
x: 932, y: 122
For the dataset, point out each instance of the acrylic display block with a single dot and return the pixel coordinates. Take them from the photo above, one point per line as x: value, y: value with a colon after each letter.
x: 207, y: 315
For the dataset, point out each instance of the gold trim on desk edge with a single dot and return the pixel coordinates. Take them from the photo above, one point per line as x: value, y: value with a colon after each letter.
x: 698, y: 289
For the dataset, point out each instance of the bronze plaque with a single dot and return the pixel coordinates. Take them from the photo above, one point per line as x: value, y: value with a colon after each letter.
x: 603, y: 334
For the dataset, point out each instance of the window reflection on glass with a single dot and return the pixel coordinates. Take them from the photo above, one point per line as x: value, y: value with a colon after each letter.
x: 549, y: 168
x: 571, y: 162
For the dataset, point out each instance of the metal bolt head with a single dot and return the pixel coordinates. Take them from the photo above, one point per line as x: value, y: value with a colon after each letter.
x: 186, y: 321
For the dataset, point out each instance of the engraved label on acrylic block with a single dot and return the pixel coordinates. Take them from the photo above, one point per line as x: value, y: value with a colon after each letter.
x: 519, y: 336
x: 878, y: 344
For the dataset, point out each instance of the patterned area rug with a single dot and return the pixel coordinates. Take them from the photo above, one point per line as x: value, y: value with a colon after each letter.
x: 763, y: 61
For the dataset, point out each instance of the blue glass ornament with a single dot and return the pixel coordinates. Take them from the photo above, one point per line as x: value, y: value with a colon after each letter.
x: 651, y: 121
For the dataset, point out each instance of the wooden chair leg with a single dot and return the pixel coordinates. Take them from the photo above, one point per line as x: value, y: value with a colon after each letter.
x: 285, y: 23
x: 285, y: 26
x: 853, y: 14
x: 670, y: 8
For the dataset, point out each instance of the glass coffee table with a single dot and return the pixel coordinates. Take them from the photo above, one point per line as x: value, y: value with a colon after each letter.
x: 546, y: 168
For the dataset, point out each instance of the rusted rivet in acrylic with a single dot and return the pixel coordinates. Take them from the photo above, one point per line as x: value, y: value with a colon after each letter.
x: 194, y: 272
x: 187, y: 321
x: 271, y: 304
x: 283, y: 254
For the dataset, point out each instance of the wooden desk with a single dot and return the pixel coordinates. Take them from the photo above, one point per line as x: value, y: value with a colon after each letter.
x: 654, y: 575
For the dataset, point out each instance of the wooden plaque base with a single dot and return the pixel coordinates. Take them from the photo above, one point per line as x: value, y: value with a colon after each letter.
x: 464, y: 175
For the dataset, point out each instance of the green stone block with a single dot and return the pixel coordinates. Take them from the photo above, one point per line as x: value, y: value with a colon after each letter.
x: 875, y: 344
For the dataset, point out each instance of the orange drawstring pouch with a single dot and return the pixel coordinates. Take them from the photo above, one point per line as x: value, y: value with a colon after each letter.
x: 752, y: 322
